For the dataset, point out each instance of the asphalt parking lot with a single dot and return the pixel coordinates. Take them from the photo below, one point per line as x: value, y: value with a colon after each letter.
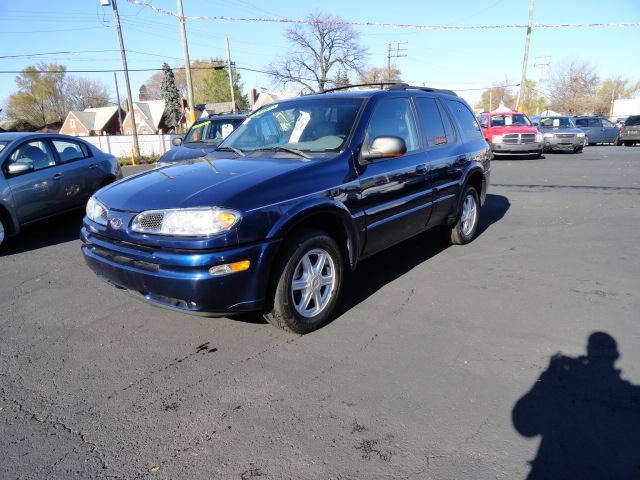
x: 416, y: 378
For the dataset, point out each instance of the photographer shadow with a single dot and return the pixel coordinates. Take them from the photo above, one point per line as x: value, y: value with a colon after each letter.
x: 587, y: 415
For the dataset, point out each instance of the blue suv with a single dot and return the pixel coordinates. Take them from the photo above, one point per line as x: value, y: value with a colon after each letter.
x: 297, y: 195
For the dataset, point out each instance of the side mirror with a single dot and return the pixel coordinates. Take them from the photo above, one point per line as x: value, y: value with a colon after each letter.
x: 177, y: 141
x: 536, y: 124
x: 383, y: 147
x: 18, y: 168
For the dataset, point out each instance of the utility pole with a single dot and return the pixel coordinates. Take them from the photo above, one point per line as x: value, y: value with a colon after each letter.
x: 115, y: 79
x: 394, y: 51
x: 526, y: 54
x: 233, y: 95
x: 542, y: 61
x: 116, y: 18
x: 187, y: 65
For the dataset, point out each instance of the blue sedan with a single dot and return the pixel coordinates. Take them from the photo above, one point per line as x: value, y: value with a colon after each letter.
x: 48, y: 174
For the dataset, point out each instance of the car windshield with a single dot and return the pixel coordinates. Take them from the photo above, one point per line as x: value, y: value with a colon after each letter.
x: 635, y: 120
x: 211, y: 131
x: 307, y: 125
x: 509, y: 120
x: 556, y: 122
x: 2, y: 145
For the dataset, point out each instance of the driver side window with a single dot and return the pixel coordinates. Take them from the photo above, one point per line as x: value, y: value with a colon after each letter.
x: 36, y: 152
x: 393, y: 117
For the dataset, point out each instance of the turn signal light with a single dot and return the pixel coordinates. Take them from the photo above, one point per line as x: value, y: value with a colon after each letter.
x: 227, y: 268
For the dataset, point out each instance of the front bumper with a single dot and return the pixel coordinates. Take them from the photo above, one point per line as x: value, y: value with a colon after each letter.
x: 516, y: 148
x: 555, y: 143
x: 180, y: 279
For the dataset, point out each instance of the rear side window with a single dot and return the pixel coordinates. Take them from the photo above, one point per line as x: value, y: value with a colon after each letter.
x: 392, y: 117
x: 431, y: 121
x: 68, y: 150
x: 466, y: 119
x: 634, y: 120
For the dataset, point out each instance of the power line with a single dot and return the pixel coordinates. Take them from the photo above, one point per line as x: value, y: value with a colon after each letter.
x: 78, y: 52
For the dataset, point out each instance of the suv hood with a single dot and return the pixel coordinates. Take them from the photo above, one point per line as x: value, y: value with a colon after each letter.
x: 560, y: 130
x: 512, y: 129
x: 178, y: 154
x: 196, y: 183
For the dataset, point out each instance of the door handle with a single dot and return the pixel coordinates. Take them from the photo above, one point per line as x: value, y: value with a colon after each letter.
x: 93, y: 165
x: 421, y: 169
x: 57, y: 176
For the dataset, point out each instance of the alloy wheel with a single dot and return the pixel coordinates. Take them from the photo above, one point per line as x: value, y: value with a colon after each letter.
x: 469, y: 215
x: 313, y: 282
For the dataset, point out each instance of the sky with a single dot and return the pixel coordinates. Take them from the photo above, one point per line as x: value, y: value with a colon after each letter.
x: 466, y: 61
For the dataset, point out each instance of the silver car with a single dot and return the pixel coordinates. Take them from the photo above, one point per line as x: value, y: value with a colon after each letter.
x: 48, y: 174
x: 560, y: 133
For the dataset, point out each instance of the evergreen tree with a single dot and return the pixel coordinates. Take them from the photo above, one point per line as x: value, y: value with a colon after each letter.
x: 171, y: 97
x: 142, y: 93
x: 341, y: 80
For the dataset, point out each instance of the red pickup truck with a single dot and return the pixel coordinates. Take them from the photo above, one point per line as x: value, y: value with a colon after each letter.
x: 511, y: 133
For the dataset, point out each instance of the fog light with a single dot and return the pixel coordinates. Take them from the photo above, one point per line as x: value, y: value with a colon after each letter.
x: 218, y: 270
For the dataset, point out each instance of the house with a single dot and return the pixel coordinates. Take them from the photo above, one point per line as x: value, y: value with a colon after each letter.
x: 219, y: 108
x: 92, y: 121
x: 149, y: 117
x: 270, y: 97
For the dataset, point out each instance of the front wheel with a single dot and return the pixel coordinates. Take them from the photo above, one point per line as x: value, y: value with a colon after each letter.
x: 308, y: 284
x: 466, y: 228
x: 577, y: 149
x: 3, y: 231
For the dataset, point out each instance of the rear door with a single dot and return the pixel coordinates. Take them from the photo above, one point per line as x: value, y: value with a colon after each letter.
x: 37, y: 193
x: 609, y: 131
x: 394, y: 192
x: 446, y: 161
x: 595, y: 130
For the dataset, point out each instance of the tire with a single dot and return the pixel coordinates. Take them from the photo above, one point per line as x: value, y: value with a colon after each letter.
x: 617, y: 142
x: 537, y: 155
x: 577, y: 149
x: 461, y: 232
x: 4, y: 230
x: 289, y: 310
x: 628, y: 144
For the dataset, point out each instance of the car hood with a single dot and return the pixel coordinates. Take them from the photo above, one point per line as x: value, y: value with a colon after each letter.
x: 181, y: 153
x: 512, y: 129
x: 206, y: 181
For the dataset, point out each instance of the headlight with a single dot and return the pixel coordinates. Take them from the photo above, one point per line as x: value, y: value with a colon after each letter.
x: 191, y: 222
x: 539, y: 137
x: 548, y: 135
x: 580, y: 135
x: 496, y: 139
x: 96, y: 212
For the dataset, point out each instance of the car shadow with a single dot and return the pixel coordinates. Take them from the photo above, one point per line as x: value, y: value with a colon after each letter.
x: 377, y: 271
x: 53, y: 231
x: 587, y: 415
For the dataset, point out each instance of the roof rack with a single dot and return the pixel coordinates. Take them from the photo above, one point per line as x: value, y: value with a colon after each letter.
x: 373, y: 84
x: 393, y: 86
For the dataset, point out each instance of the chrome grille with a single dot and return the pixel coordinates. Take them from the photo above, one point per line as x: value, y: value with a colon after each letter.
x: 518, y: 138
x: 565, y: 135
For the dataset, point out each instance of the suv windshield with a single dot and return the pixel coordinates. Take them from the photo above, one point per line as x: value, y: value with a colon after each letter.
x: 211, y: 131
x: 2, y: 145
x: 508, y: 120
x: 308, y: 125
x: 634, y: 120
x: 556, y: 122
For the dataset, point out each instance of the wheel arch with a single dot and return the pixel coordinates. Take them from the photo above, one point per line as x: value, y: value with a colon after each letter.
x: 10, y: 221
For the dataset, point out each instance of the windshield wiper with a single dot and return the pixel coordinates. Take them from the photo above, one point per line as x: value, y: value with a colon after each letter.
x: 235, y: 150
x: 280, y: 148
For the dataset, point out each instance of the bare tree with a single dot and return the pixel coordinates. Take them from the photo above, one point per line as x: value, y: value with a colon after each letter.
x: 323, y: 44
x: 84, y: 92
x: 380, y: 74
x: 571, y: 88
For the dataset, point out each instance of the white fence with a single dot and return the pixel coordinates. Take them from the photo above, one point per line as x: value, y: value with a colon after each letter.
x: 121, y: 145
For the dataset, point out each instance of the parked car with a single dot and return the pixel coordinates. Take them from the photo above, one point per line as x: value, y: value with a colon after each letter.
x: 203, y: 137
x: 560, y: 133
x: 511, y: 133
x: 597, y: 129
x: 48, y: 174
x: 630, y: 133
x: 302, y: 191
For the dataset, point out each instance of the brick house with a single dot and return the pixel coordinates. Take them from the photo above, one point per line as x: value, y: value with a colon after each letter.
x: 91, y: 121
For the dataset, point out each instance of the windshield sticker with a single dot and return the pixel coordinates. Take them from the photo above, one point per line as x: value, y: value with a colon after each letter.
x: 301, y: 123
x: 441, y: 140
x: 226, y: 128
x: 556, y: 122
x: 263, y: 110
x: 200, y: 125
x: 508, y: 120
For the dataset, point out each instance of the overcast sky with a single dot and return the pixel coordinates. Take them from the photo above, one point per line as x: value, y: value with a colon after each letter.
x: 459, y: 60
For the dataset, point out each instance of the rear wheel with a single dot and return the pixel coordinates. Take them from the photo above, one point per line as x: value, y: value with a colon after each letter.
x: 308, y: 284
x: 628, y: 144
x: 3, y: 230
x: 466, y: 227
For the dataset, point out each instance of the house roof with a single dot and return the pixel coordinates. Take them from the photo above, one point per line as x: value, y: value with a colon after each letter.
x: 95, y: 118
x: 153, y: 110
x: 274, y: 96
x: 219, y: 108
